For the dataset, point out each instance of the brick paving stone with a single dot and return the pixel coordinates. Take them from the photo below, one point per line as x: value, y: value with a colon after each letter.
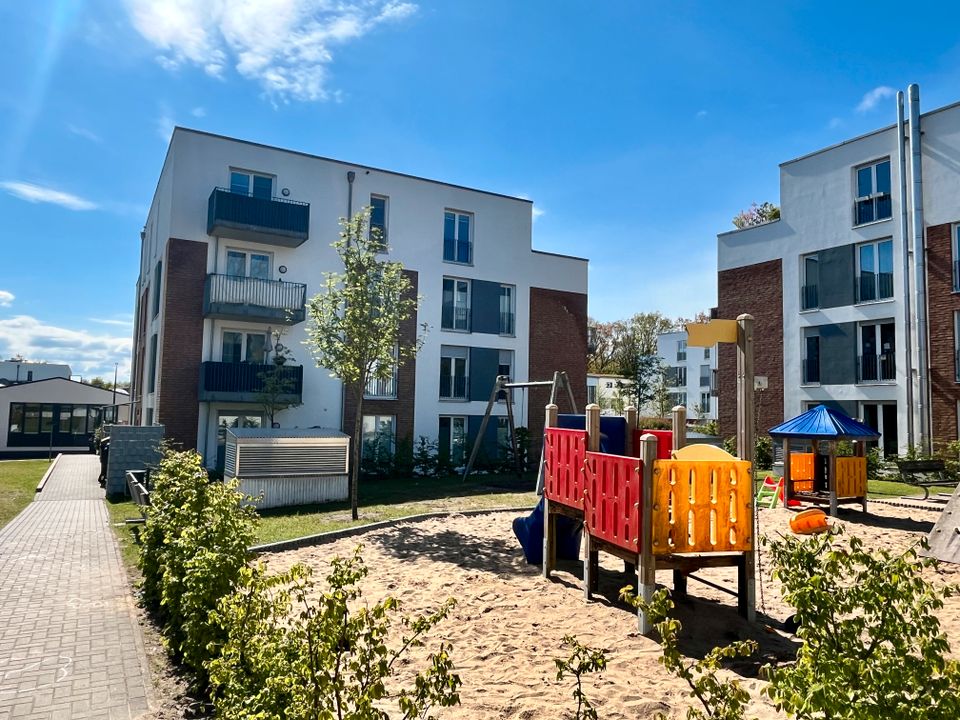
x: 67, y: 619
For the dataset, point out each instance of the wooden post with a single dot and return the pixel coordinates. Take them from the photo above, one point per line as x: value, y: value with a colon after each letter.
x: 647, y: 572
x: 679, y: 419
x: 745, y: 450
x: 787, y: 480
x: 593, y: 427
x: 631, y: 415
x: 832, y: 479
x: 860, y: 450
x: 549, y: 529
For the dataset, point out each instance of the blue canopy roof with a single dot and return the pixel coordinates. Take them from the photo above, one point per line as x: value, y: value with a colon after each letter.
x: 823, y: 423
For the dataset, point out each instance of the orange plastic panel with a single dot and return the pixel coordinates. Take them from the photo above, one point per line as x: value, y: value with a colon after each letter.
x: 801, y: 471
x: 851, y: 477
x: 702, y: 506
x: 564, y: 452
x: 612, y: 500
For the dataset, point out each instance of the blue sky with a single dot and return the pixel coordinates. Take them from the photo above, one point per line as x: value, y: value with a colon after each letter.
x: 639, y: 129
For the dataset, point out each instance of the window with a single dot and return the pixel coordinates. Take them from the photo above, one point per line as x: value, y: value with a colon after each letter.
x: 78, y: 420
x: 591, y: 394
x: 225, y: 421
x: 877, y: 359
x: 508, y: 309
x: 455, y: 311
x: 811, y: 358
x: 810, y: 281
x: 503, y: 436
x: 678, y: 398
x: 245, y: 183
x: 704, y: 402
x: 457, y: 240
x: 875, y: 271
x: 383, y: 388
x: 704, y: 376
x: 453, y: 372
x: 240, y: 346
x: 873, y: 199
x: 157, y: 277
x: 29, y: 375
x: 16, y: 417
x: 379, y: 435
x: 677, y: 376
x: 378, y: 219
x: 956, y: 345
x: 681, y: 350
x: 706, y: 353
x: 956, y: 258
x: 505, y: 368
x: 453, y: 438
x: 248, y: 264
x: 152, y: 379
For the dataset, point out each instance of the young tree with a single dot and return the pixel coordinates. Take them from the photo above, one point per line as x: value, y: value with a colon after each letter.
x: 756, y: 215
x: 354, y: 323
x: 602, y: 348
x: 277, y: 383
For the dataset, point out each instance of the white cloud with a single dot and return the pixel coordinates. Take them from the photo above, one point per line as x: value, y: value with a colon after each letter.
x: 873, y: 98
x: 701, y: 114
x: 109, y: 321
x: 538, y: 213
x: 835, y: 123
x: 199, y: 112
x: 285, y: 45
x: 39, y: 194
x: 6, y: 298
x: 165, y: 124
x: 84, y: 133
x: 86, y: 353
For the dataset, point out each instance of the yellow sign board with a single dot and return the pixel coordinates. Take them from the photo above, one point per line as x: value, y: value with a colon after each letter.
x: 710, y: 333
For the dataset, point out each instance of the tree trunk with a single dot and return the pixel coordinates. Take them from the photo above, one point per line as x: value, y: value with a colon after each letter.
x: 356, y: 443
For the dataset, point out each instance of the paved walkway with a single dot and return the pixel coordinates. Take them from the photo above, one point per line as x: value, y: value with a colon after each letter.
x: 70, y: 646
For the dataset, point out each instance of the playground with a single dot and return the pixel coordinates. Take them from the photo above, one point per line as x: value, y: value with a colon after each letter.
x: 509, y: 623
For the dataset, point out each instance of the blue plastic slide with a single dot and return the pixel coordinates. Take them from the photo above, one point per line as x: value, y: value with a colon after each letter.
x: 529, y: 531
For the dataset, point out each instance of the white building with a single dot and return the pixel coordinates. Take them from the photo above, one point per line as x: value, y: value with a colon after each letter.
x: 828, y: 288
x: 238, y: 236
x: 18, y: 371
x: 690, y: 375
x: 609, y: 392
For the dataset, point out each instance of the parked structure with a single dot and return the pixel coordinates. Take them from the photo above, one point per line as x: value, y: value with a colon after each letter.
x: 690, y: 375
x: 15, y: 371
x: 855, y: 288
x: 237, y: 238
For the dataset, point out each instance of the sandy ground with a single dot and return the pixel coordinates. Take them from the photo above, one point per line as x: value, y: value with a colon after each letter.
x: 509, y: 623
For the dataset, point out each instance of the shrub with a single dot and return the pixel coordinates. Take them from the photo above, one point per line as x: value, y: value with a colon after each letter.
x: 425, y: 457
x: 872, y: 646
x: 708, y: 428
x: 581, y: 661
x: 654, y: 423
x: 194, y: 547
x: 295, y: 653
x: 763, y: 453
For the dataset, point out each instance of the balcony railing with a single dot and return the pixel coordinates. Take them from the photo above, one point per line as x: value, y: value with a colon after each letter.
x: 508, y: 323
x: 249, y: 382
x: 453, y: 387
x: 274, y: 221
x: 809, y: 297
x: 381, y: 388
x: 874, y: 286
x: 455, y: 317
x: 228, y: 297
x: 876, y: 368
x: 811, y: 372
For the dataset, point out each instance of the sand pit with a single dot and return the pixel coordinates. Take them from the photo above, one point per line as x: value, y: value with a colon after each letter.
x: 509, y: 623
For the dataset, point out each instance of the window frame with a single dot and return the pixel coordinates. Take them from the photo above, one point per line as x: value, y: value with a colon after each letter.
x: 454, y: 306
x: 705, y: 401
x: 879, y: 354
x: 377, y: 418
x: 393, y: 381
x: 681, y: 350
x: 511, y: 311
x: 444, y: 355
x: 464, y: 440
x: 383, y: 244
x: 805, y: 306
x: 244, y: 344
x: 471, y: 229
x: 956, y: 345
x: 858, y: 271
x: 248, y: 262
x: 955, y: 253
x: 874, y: 195
x: 805, y: 380
x: 251, y: 182
x: 157, y: 281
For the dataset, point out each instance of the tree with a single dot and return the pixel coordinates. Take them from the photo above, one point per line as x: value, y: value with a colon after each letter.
x: 602, y: 348
x: 354, y: 323
x: 756, y: 215
x: 645, y: 374
x: 277, y: 383
x: 99, y: 382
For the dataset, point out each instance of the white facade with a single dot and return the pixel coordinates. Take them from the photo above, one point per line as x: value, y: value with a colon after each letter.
x: 690, y: 375
x: 818, y: 199
x: 605, y: 390
x: 18, y: 371
x: 197, y: 162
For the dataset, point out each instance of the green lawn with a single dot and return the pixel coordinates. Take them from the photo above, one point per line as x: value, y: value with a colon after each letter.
x: 18, y: 485
x: 120, y: 512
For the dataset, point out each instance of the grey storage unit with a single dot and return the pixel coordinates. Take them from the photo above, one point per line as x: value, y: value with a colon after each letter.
x: 288, y: 466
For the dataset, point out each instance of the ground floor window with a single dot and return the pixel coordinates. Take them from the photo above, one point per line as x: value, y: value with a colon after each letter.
x: 453, y: 438
x: 233, y: 419
x: 379, y: 435
x: 882, y: 417
x: 56, y: 424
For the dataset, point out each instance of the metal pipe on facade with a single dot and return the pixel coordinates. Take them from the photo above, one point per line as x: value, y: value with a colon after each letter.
x: 920, y: 267
x: 905, y: 249
x: 351, y: 176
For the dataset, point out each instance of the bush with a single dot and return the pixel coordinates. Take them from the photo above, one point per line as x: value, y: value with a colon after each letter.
x: 708, y: 428
x: 762, y: 451
x: 293, y: 653
x: 581, y: 661
x: 425, y: 457
x: 654, y: 423
x: 193, y: 549
x: 872, y: 646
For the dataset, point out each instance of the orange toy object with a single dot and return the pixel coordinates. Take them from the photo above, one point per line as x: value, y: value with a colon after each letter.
x: 809, y: 522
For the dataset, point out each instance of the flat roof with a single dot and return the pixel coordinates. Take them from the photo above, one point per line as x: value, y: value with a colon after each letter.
x: 180, y: 128
x: 274, y: 433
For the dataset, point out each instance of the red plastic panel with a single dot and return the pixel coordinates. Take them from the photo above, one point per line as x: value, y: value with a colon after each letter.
x: 564, y: 451
x: 612, y: 500
x: 664, y: 442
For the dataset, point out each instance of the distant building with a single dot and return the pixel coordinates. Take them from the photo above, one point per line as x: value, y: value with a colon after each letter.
x: 605, y: 391
x: 690, y: 375
x: 20, y: 371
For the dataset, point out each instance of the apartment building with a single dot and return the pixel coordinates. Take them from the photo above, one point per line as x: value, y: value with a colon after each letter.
x: 15, y: 371
x: 690, y: 374
x: 237, y: 239
x: 855, y: 288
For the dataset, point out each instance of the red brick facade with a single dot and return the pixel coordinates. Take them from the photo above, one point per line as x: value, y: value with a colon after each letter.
x: 942, y: 302
x: 402, y: 408
x: 757, y: 290
x: 178, y: 380
x: 558, y: 341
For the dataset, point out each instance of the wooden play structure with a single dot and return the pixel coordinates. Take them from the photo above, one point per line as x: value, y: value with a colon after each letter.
x: 661, y: 505
x: 820, y: 478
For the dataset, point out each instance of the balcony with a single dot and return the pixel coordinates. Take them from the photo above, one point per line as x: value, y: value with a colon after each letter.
x: 244, y: 382
x: 453, y: 387
x: 874, y: 286
x: 381, y: 389
x: 455, y: 317
x: 876, y: 368
x: 809, y: 297
x: 811, y: 372
x: 228, y: 297
x: 277, y: 221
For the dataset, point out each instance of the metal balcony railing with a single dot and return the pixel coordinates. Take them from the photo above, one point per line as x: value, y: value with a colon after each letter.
x: 460, y: 251
x: 874, y: 286
x: 809, y: 297
x: 277, y: 221
x: 240, y: 298
x: 453, y: 387
x: 876, y: 368
x: 247, y: 382
x: 811, y: 372
x: 455, y: 317
x: 382, y: 388
x: 508, y: 323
